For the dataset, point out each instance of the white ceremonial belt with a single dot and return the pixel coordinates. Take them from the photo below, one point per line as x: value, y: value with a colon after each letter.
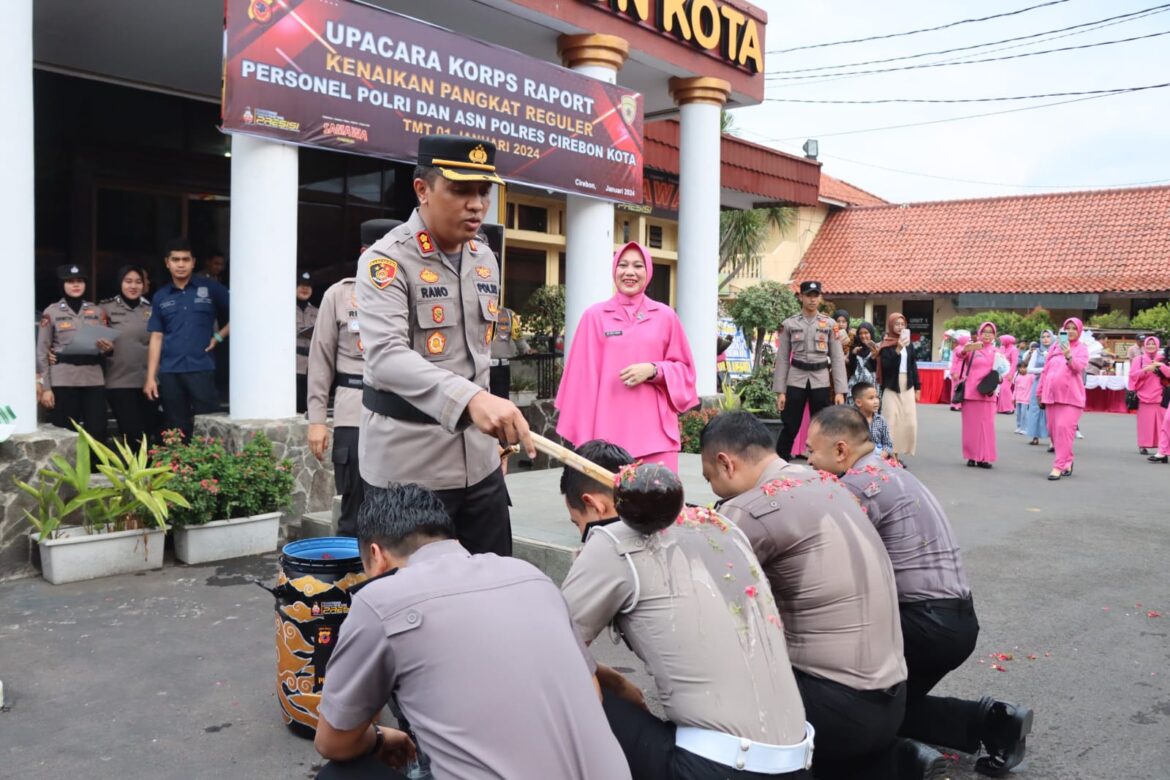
x: 745, y: 754
x: 498, y: 362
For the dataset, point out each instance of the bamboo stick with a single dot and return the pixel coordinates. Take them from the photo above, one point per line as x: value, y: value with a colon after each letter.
x: 573, y: 460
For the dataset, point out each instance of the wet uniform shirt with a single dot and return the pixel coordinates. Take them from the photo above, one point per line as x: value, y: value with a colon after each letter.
x: 830, y: 575
x: 126, y: 365
x: 485, y: 663
x: 187, y: 318
x: 812, y: 341
x: 426, y: 325
x: 701, y: 617
x: 57, y: 328
x: 336, y: 348
x: 306, y: 318
x: 913, y: 528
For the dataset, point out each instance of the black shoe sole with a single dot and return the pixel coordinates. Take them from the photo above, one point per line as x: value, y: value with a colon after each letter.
x: 1000, y: 764
x: 1153, y: 459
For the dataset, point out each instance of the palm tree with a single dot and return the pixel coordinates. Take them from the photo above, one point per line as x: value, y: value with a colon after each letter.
x: 742, y: 234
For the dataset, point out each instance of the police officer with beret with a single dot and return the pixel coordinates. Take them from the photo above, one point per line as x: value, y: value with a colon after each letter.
x: 336, y: 364
x: 306, y: 319
x: 71, y: 385
x: 427, y: 298
x: 808, y: 350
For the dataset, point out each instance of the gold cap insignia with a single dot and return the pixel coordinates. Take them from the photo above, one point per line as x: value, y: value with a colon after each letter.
x: 478, y: 155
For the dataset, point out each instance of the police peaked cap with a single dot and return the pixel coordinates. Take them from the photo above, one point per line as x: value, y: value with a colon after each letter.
x: 304, y: 278
x: 459, y: 158
x: 807, y: 288
x: 373, y: 229
x: 71, y: 271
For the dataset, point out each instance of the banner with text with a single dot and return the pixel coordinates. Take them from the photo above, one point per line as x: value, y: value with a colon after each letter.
x: 339, y: 75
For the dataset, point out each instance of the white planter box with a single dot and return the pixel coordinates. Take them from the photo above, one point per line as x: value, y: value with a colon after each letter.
x: 523, y: 397
x: 76, y: 555
x: 222, y: 539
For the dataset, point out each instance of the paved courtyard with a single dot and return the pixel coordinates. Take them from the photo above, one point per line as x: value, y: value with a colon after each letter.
x: 170, y: 674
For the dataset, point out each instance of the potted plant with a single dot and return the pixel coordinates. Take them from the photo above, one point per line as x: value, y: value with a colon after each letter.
x: 234, y: 498
x: 123, y: 518
x: 756, y: 394
x: 523, y: 390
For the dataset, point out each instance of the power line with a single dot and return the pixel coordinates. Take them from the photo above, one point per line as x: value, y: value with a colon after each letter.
x: 1123, y: 17
x: 916, y: 32
x: 973, y: 62
x: 1100, y: 92
x: 942, y: 121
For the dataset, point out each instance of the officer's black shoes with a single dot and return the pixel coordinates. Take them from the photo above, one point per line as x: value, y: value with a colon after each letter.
x: 917, y: 761
x: 1005, y: 731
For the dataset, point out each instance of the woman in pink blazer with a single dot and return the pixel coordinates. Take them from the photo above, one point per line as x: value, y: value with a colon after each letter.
x: 1062, y: 392
x: 1143, y: 380
x: 978, y: 410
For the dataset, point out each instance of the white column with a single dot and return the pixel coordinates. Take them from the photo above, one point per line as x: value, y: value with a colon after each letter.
x: 16, y: 216
x: 589, y: 221
x: 700, y: 102
x: 264, y: 264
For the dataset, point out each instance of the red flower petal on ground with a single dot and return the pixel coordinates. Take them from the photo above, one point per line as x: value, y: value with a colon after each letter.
x: 998, y: 668
x: 1153, y: 613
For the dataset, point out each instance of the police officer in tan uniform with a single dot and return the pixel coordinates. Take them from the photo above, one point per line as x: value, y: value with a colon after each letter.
x: 129, y: 313
x: 336, y: 364
x: 71, y: 385
x: 808, y: 350
x: 427, y: 295
x: 505, y: 346
x: 306, y: 319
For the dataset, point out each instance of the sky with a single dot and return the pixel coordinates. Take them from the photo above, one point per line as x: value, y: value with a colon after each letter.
x: 1121, y: 140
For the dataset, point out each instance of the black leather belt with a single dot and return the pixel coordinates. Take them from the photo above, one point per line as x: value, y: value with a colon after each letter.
x: 808, y: 366
x: 303, y: 351
x: 390, y: 404
x: 80, y: 360
x: 352, y: 381
x: 956, y: 604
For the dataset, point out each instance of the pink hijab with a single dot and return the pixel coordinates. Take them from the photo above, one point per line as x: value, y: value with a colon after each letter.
x: 592, y: 401
x: 631, y: 303
x: 1080, y: 329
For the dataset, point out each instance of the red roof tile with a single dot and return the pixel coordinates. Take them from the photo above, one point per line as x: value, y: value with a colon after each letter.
x: 844, y: 192
x: 1092, y: 242
x: 772, y: 175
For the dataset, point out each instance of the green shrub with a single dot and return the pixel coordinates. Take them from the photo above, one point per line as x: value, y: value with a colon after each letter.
x: 1025, y: 327
x: 1155, y: 320
x: 1109, y: 320
x: 690, y: 426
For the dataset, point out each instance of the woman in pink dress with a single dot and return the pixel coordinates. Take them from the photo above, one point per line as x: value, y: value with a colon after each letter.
x: 978, y: 409
x: 629, y: 373
x: 1160, y: 368
x: 1062, y: 391
x: 1143, y: 380
x: 1007, y: 398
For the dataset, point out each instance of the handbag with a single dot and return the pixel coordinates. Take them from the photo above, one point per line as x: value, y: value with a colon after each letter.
x: 960, y: 386
x: 989, y: 383
x: 1131, y: 400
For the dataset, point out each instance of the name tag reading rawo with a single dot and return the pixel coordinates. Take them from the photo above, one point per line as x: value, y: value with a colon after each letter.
x: 613, y: 333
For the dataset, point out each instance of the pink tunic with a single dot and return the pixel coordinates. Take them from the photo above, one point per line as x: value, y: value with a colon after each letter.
x: 592, y: 401
x: 1023, y: 391
x: 1007, y: 401
x: 1062, y: 391
x: 957, y: 361
x: 1148, y: 387
x: 978, y: 410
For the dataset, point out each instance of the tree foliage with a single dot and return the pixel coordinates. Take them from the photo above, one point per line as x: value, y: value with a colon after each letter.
x: 742, y: 234
x: 1025, y: 327
x: 760, y: 309
x: 544, y: 311
x: 1109, y: 320
x: 1154, y: 320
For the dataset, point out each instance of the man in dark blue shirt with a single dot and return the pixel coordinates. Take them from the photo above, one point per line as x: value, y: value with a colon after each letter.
x: 180, y: 367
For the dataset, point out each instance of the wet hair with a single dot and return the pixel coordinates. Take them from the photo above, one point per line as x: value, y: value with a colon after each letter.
x: 859, y: 390
x: 176, y: 245
x: 648, y: 497
x: 402, y: 518
x: 427, y: 173
x: 842, y: 423
x: 738, y: 433
x: 574, y: 484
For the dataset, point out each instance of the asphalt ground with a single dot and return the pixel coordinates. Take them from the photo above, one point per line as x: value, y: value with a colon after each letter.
x: 170, y: 674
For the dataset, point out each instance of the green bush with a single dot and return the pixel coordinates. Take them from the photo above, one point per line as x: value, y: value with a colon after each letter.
x: 544, y: 312
x: 755, y: 391
x: 1154, y: 320
x: 760, y: 309
x: 219, y: 484
x: 1109, y: 320
x: 690, y: 426
x: 1025, y: 327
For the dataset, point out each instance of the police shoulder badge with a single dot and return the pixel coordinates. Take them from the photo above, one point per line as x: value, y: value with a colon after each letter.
x: 382, y: 271
x: 436, y: 343
x: 425, y: 245
x: 428, y: 276
x: 438, y: 315
x: 483, y: 272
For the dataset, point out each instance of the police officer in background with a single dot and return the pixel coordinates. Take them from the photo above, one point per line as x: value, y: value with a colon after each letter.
x: 939, y: 626
x: 335, y: 363
x: 71, y: 385
x: 427, y: 296
x: 505, y: 346
x: 129, y: 313
x: 306, y: 319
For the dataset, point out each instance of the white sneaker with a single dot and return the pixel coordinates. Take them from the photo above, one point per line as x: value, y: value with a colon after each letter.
x: 1019, y: 432
x: 1080, y: 435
